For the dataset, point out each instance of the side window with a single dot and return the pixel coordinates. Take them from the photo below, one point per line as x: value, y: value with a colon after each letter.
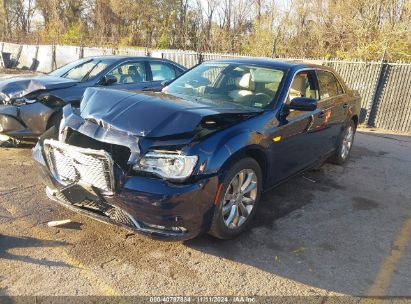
x: 162, y: 71
x: 129, y: 72
x: 303, y: 85
x: 329, y: 85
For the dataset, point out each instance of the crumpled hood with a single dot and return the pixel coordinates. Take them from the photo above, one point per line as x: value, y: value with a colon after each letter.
x: 17, y: 87
x: 151, y: 114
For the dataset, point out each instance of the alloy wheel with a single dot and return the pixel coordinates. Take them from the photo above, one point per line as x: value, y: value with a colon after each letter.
x: 347, y: 142
x: 240, y: 198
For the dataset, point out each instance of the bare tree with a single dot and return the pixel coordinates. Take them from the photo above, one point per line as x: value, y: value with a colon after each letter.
x: 304, y: 28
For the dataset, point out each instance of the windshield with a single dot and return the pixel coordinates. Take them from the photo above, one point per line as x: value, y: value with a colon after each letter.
x: 246, y: 85
x: 83, y: 70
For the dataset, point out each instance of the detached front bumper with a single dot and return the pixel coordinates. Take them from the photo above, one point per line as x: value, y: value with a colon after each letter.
x: 150, y: 206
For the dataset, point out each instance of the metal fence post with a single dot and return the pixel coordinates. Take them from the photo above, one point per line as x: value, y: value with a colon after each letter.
x: 53, y: 57
x: 372, y: 107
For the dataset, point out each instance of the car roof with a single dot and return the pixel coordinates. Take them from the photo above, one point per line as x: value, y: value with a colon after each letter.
x: 271, y: 62
x: 119, y: 57
x: 123, y: 57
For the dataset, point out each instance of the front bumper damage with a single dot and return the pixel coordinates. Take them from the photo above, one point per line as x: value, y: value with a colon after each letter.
x: 147, y: 205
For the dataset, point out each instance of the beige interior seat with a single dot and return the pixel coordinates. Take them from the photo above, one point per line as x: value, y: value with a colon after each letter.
x: 301, y: 88
x: 298, y: 87
x: 245, y: 87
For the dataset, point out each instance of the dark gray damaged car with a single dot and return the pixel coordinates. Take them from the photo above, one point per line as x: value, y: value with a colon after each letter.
x: 31, y: 105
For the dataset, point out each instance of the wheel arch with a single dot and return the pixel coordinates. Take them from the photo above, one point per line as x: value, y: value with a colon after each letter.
x: 253, y: 152
x: 355, y: 119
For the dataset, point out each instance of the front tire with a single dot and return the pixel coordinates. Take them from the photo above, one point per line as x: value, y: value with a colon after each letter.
x: 238, y: 199
x: 345, y: 144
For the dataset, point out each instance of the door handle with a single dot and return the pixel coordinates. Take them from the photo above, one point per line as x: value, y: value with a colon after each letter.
x: 321, y: 114
x: 345, y: 105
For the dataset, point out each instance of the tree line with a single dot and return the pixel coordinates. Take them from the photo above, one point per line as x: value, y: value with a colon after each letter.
x: 349, y: 29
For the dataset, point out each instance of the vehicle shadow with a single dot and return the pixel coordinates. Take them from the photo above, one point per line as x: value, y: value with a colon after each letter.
x: 330, y: 246
x: 21, y: 145
x: 263, y: 246
x: 8, y: 242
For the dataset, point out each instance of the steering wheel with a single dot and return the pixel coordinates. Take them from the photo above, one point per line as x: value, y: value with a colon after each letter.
x: 251, y: 100
x: 263, y: 98
x: 199, y: 82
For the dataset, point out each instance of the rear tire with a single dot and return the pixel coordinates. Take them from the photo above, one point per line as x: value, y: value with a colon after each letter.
x: 345, y: 143
x: 238, y: 199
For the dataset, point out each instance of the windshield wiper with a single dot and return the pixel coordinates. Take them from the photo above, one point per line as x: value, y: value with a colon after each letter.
x: 66, y: 73
x: 89, y: 72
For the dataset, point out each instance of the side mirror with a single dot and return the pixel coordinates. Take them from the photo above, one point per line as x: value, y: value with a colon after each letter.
x: 165, y: 83
x: 303, y: 104
x: 108, y: 80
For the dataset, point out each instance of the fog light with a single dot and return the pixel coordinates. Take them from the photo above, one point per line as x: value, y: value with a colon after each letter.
x: 179, y: 229
x: 165, y: 229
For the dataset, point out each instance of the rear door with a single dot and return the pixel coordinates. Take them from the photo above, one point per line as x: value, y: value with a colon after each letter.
x: 332, y: 103
x: 161, y: 71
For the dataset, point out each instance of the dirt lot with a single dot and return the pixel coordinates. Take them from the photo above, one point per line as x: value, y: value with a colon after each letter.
x: 340, y: 230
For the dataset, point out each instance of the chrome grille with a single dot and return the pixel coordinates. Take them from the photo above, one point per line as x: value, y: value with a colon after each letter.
x: 71, y: 164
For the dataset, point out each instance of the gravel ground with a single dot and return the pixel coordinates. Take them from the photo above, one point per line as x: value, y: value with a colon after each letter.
x: 339, y: 230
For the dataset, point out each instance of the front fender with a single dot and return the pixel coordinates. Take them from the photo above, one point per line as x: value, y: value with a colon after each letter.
x: 9, y: 122
x: 229, y: 148
x: 27, y: 119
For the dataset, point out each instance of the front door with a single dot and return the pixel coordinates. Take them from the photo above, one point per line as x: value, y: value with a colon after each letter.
x: 295, y: 140
x: 131, y: 75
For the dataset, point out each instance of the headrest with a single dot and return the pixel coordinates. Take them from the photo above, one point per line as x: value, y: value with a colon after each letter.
x: 299, y: 84
x: 246, y: 82
x: 266, y: 75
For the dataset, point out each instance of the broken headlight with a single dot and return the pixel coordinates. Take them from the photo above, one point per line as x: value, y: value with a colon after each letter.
x: 171, y: 166
x: 4, y: 98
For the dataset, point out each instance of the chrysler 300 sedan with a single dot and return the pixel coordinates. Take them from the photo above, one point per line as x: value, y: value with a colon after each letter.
x: 196, y: 157
x: 31, y: 105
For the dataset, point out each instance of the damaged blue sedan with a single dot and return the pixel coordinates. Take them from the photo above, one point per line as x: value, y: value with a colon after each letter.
x: 32, y: 104
x: 196, y: 157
